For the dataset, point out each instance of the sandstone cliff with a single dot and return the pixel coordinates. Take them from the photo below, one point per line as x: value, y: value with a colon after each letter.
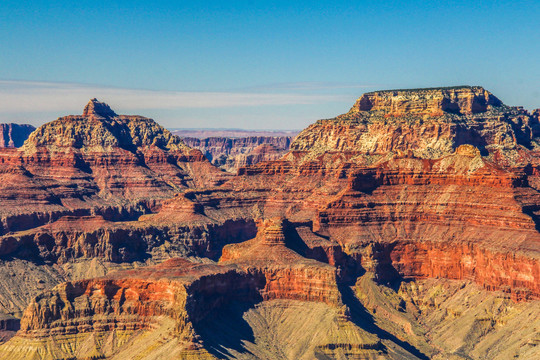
x: 429, y: 123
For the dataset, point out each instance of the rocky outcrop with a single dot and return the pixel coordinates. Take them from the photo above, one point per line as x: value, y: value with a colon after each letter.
x: 92, y: 237
x: 232, y: 153
x: 463, y: 100
x: 287, y: 274
x: 96, y: 163
x: 14, y: 135
x: 430, y: 123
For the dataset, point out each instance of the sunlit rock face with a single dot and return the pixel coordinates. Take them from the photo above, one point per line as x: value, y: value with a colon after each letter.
x: 430, y: 123
x: 96, y: 163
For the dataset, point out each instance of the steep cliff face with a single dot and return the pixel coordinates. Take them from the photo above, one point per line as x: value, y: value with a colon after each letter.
x: 430, y: 123
x: 464, y: 100
x: 14, y: 135
x: 183, y: 302
x: 232, y: 153
x: 166, y: 299
x: 287, y: 274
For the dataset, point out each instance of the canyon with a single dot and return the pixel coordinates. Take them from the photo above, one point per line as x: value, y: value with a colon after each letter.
x: 231, y: 154
x: 406, y: 228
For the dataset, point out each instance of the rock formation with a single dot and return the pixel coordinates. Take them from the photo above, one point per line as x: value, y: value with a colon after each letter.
x: 116, y: 166
x: 14, y: 135
x: 430, y: 123
x: 404, y: 229
x: 232, y: 153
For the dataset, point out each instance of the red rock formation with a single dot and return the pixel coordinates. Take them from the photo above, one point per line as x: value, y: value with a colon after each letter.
x: 513, y: 273
x: 402, y: 193
x: 94, y: 163
x: 131, y: 302
x: 287, y: 274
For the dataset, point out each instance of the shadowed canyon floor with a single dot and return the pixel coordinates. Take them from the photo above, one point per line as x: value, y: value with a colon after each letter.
x: 406, y: 228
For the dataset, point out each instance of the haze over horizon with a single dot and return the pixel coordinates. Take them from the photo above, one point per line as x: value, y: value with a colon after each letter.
x: 271, y: 65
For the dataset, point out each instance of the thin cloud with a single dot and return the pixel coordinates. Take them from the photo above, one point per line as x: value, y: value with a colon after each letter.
x: 34, y: 96
x: 312, y: 86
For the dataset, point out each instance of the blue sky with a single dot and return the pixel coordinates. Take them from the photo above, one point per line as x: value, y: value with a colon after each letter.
x: 256, y: 64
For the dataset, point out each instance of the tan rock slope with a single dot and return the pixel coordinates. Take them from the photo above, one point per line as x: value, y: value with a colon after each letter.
x: 404, y: 229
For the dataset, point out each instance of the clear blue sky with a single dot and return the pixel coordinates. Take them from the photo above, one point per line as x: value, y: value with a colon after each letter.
x: 256, y: 64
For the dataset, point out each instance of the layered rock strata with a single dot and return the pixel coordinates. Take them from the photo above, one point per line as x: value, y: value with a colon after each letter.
x: 232, y: 153
x: 366, y: 183
x: 430, y: 123
x: 116, y: 166
x: 186, y: 296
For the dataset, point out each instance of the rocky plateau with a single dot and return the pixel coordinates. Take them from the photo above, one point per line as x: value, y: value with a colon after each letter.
x: 406, y: 228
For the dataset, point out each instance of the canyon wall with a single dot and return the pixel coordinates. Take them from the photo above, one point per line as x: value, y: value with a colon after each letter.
x: 232, y: 153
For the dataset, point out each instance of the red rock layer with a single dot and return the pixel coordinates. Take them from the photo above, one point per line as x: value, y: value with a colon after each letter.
x: 514, y: 274
x: 78, y: 165
x: 462, y: 199
x: 179, y: 289
x: 287, y: 274
x: 462, y: 224
x: 131, y: 301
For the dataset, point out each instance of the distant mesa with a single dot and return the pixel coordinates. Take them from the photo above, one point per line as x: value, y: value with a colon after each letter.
x: 14, y: 135
x: 463, y: 100
x: 231, y: 153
